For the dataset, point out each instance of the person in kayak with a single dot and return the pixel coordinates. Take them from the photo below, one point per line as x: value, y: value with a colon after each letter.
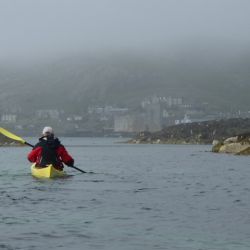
x: 49, y: 150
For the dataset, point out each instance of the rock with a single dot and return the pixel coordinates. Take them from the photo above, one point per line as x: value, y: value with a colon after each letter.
x: 231, y: 140
x: 216, y: 146
x: 233, y: 148
x: 245, y: 151
x: 215, y: 142
x: 220, y: 133
x: 6, y: 142
x: 239, y: 145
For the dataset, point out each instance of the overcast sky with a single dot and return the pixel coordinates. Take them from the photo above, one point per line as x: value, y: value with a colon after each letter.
x: 32, y: 28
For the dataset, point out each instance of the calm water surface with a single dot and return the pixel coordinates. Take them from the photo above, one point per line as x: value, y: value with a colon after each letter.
x: 140, y: 197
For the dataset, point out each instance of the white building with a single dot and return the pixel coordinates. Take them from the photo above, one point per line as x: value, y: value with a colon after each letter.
x: 48, y: 114
x: 129, y: 123
x: 185, y: 120
x: 9, y: 118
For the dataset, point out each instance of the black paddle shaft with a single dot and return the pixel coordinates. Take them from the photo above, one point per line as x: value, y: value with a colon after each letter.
x: 78, y: 169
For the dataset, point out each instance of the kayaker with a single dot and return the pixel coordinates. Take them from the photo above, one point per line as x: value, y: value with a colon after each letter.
x: 49, y: 150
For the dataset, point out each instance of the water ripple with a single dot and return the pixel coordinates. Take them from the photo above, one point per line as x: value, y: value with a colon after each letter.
x: 144, y: 197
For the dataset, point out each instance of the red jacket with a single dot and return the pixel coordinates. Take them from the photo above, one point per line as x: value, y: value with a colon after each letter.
x: 61, y: 154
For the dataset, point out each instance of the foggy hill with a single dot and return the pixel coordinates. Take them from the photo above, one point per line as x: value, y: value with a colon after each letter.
x: 74, y: 82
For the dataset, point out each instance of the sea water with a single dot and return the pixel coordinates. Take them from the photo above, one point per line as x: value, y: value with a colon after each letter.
x: 140, y: 197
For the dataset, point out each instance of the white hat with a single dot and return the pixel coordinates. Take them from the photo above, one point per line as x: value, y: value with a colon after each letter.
x: 47, y: 130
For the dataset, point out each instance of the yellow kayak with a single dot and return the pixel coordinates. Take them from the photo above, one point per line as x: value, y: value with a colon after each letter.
x: 48, y: 172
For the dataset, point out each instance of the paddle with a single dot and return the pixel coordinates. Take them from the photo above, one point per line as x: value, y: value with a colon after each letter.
x: 21, y: 140
x: 78, y: 169
x: 14, y: 137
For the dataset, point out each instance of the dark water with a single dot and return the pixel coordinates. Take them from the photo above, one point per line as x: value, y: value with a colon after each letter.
x: 142, y: 197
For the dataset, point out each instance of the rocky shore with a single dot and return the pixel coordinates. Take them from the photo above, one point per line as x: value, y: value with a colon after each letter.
x: 228, y: 136
x: 6, y: 142
x: 239, y: 145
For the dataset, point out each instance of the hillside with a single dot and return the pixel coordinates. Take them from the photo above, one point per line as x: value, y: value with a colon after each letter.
x: 73, y: 83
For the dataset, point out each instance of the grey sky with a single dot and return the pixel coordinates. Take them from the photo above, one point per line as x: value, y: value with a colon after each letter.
x: 44, y: 27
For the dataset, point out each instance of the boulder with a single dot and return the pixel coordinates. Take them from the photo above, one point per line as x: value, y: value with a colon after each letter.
x: 239, y: 145
x: 216, y: 146
x: 246, y: 151
x: 233, y: 148
x: 231, y: 140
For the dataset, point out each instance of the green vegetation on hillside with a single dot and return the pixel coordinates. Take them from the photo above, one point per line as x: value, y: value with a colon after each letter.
x: 124, y: 80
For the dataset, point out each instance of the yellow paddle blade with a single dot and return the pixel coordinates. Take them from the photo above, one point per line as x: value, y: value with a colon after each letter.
x: 11, y: 136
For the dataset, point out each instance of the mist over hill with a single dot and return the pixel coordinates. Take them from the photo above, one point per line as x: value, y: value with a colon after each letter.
x: 219, y: 78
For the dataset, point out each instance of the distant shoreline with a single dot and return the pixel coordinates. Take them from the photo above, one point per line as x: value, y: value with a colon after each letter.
x: 203, y: 133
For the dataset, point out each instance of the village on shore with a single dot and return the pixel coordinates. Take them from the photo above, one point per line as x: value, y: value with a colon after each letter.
x: 225, y: 136
x: 152, y: 114
x: 157, y: 119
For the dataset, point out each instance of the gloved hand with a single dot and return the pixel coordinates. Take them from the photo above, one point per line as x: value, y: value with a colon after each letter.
x: 70, y: 163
